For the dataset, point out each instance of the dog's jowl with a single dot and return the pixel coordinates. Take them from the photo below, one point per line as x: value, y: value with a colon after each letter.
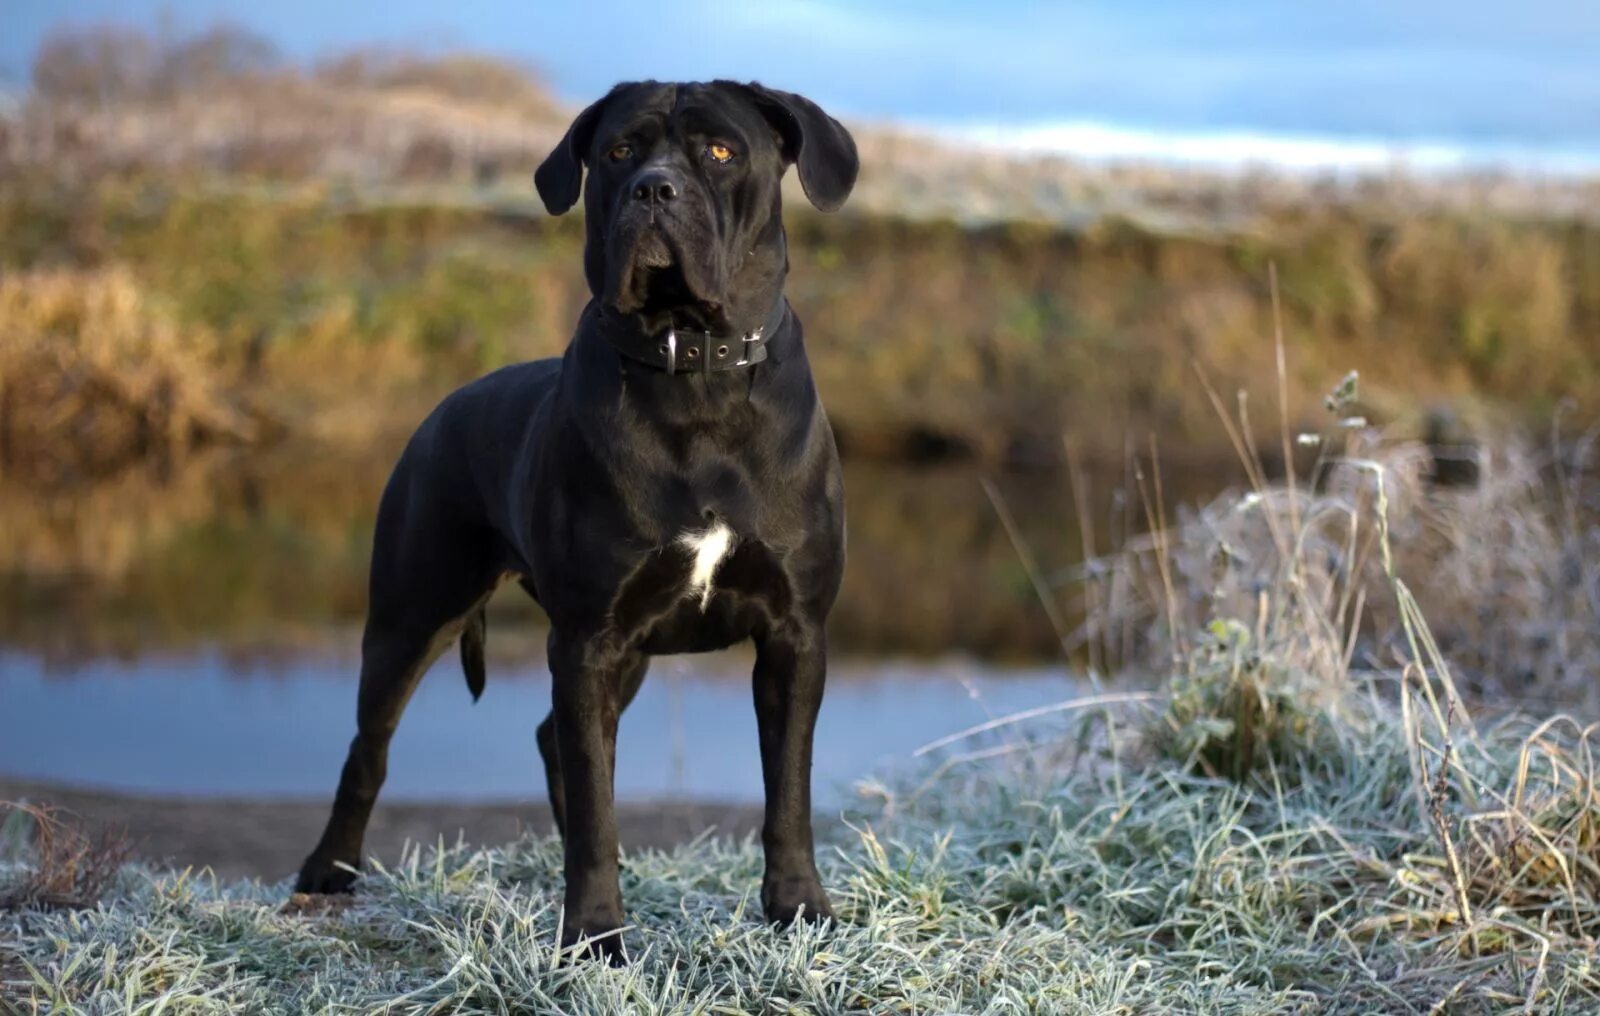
x: 669, y: 485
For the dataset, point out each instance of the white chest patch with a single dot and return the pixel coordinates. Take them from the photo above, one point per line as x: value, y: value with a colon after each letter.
x: 709, y: 547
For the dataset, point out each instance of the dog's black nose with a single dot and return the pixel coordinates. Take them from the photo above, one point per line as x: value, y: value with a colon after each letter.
x: 655, y: 187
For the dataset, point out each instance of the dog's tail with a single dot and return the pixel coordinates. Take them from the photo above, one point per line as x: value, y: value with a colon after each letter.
x: 472, y: 638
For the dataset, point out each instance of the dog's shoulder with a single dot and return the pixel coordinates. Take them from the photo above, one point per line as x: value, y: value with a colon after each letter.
x: 498, y: 403
x: 513, y: 379
x: 520, y: 383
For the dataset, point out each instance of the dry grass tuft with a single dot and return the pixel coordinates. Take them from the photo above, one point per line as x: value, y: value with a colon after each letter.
x: 1288, y: 623
x: 69, y: 867
x: 1523, y: 840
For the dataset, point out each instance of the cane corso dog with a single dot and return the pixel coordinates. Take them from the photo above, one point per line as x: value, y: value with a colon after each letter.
x: 669, y: 485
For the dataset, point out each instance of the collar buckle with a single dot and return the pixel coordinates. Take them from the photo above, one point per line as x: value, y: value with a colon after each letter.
x: 680, y: 351
x: 750, y: 338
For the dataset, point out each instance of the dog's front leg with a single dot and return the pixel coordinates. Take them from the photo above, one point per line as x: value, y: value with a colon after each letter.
x: 791, y: 665
x: 586, y: 676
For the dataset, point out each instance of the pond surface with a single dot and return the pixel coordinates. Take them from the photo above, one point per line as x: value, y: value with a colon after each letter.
x: 198, y: 725
x: 262, y: 553
x: 191, y: 630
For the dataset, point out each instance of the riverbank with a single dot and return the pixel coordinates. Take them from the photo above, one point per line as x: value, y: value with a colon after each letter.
x: 146, y: 318
x: 267, y: 839
x: 1318, y: 860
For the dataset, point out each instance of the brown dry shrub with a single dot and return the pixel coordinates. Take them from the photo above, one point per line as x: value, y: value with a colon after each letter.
x: 69, y: 866
x: 94, y: 374
x: 1529, y: 850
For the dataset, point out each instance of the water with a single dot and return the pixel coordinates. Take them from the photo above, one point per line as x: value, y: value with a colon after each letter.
x: 261, y: 553
x: 192, y: 631
x: 198, y: 725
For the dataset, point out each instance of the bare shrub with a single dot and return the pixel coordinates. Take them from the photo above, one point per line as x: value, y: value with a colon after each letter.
x: 463, y: 76
x: 1509, y: 575
x: 92, y: 375
x: 1505, y: 568
x: 69, y: 867
x: 98, y: 64
x: 222, y: 99
x: 222, y: 55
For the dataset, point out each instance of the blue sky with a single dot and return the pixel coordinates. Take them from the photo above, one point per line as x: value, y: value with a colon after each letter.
x: 1515, y: 75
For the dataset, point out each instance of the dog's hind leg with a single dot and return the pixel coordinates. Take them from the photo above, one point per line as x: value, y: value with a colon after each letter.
x: 428, y: 581
x: 631, y: 679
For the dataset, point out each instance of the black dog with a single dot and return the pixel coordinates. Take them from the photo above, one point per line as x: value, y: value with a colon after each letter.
x: 670, y: 485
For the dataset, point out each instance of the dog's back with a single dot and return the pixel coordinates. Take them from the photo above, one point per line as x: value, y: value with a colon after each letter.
x: 462, y: 456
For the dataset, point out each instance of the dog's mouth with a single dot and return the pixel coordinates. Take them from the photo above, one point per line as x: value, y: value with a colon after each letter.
x: 655, y: 283
x: 665, y: 290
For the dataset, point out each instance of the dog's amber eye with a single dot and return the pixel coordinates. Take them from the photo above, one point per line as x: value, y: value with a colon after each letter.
x: 619, y: 152
x: 719, y: 153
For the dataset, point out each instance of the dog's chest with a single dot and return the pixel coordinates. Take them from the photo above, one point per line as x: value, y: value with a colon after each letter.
x: 707, y: 548
x: 705, y: 589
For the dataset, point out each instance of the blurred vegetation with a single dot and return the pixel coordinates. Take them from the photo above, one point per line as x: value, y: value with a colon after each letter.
x: 93, y: 375
x: 209, y: 254
x: 336, y: 244
x: 324, y: 314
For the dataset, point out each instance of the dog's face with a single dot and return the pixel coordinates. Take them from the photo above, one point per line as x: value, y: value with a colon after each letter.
x: 682, y: 201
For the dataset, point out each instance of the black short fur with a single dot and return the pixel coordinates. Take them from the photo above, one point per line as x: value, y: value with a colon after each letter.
x: 578, y: 476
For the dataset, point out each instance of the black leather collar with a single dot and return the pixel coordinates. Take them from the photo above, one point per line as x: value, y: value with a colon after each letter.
x: 683, y: 351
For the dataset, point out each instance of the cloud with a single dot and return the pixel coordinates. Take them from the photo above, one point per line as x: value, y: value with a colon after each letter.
x: 1471, y: 70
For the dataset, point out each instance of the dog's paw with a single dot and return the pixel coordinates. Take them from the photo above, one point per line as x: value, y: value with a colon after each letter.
x: 593, y: 942
x: 797, y: 898
x: 320, y: 877
x: 309, y: 905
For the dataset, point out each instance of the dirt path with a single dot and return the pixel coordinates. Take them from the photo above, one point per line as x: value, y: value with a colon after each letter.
x: 268, y: 839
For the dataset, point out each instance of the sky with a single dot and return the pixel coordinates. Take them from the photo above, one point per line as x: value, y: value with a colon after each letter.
x: 1182, y: 78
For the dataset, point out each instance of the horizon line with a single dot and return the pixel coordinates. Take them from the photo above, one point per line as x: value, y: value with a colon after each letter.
x: 1245, y: 148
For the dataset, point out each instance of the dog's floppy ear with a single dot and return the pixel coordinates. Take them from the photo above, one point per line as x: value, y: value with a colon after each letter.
x: 814, y: 141
x: 559, y: 177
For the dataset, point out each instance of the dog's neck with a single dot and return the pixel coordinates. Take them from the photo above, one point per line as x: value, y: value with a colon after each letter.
x: 679, y: 342
x: 687, y: 350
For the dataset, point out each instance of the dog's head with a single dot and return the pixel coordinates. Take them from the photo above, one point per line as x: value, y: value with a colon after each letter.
x: 683, y: 205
